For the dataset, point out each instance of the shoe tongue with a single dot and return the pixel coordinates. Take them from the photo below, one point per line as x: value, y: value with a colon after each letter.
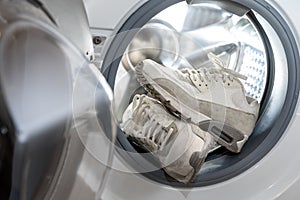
x: 183, y: 75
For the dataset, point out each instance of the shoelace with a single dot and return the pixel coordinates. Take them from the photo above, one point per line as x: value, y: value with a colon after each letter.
x: 152, y: 130
x: 220, y: 66
x: 205, y: 75
x: 208, y: 74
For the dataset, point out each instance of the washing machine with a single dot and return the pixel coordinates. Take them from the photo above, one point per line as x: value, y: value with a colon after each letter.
x: 256, y: 38
x: 67, y: 77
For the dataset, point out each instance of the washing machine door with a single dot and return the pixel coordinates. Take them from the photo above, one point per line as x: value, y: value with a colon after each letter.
x: 55, y: 118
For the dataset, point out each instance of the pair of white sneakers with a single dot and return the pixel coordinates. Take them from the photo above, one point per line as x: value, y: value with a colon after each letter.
x: 189, y: 112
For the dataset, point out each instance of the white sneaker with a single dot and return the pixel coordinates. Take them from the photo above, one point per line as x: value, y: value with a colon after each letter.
x: 210, y: 98
x: 180, y: 147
